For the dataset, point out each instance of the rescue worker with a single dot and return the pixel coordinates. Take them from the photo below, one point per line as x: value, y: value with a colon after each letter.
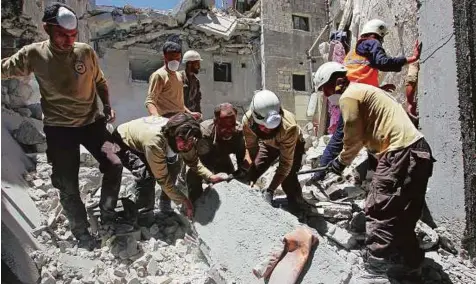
x: 221, y: 136
x: 369, y: 57
x: 271, y: 133
x: 374, y: 119
x: 363, y: 65
x: 165, y: 95
x: 71, y: 81
x: 153, y: 148
x: 191, y: 83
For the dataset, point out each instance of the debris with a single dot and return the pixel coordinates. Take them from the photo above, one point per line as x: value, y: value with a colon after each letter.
x: 29, y: 132
x: 427, y: 236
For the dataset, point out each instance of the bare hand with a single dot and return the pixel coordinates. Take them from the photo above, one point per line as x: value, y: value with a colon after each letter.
x: 111, y: 117
x: 411, y: 109
x: 388, y: 87
x: 188, y: 208
x: 216, y: 178
x: 196, y: 115
x: 417, y: 50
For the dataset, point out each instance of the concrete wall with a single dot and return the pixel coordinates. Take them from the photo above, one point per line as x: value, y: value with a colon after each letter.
x: 128, y: 96
x: 284, y: 49
x: 464, y: 13
x: 440, y: 114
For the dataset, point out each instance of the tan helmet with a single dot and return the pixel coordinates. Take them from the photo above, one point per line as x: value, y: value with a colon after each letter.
x: 191, y: 55
x: 375, y: 26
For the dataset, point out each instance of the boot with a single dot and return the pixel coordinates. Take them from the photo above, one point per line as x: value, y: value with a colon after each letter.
x: 86, y: 241
x: 146, y: 218
x: 165, y: 206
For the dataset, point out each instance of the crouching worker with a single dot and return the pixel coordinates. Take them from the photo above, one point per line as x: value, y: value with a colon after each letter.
x: 153, y: 148
x: 272, y: 133
x: 222, y: 136
x: 374, y: 119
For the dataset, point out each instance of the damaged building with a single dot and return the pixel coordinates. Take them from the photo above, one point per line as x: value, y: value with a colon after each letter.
x: 247, y: 45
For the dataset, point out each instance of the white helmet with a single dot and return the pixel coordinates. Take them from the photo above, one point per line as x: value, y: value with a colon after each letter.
x: 324, y: 73
x: 375, y: 26
x: 265, y: 107
x: 191, y: 55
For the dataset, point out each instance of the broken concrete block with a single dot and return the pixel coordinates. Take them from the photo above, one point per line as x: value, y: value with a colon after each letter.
x: 427, y: 236
x: 183, y: 8
x: 153, y: 267
x: 101, y: 24
x: 163, y: 19
x: 120, y: 272
x: 221, y: 26
x: 446, y: 241
x: 158, y: 280
x: 29, y: 133
x: 335, y: 211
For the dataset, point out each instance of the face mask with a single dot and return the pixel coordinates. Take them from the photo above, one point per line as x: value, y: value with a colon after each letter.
x: 173, y: 65
x: 334, y: 99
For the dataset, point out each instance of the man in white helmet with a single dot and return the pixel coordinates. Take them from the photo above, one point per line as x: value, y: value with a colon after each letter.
x: 272, y: 133
x: 191, y: 83
x: 368, y: 57
x: 374, y: 119
x: 71, y: 81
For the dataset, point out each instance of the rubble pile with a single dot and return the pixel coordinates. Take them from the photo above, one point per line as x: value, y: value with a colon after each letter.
x: 156, y: 254
x: 338, y: 215
x: 196, y: 25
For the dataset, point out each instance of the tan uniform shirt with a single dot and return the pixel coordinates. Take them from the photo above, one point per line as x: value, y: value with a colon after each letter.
x: 145, y: 135
x: 285, y: 140
x: 374, y: 119
x: 166, y: 91
x: 68, y: 81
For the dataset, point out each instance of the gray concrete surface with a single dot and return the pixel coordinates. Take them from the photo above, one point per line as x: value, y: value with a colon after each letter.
x: 440, y: 113
x: 240, y: 229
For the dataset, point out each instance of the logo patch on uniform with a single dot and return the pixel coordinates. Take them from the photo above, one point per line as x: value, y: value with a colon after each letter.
x: 79, y: 67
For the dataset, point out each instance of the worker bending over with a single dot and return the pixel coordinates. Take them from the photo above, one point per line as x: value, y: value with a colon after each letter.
x: 374, y: 119
x: 71, y: 81
x: 154, y: 148
x: 221, y: 136
x: 271, y: 133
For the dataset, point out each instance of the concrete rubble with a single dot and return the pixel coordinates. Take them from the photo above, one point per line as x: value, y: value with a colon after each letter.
x: 197, y: 25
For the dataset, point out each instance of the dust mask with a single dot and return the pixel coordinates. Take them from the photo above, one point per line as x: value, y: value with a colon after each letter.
x: 173, y: 65
x: 334, y: 99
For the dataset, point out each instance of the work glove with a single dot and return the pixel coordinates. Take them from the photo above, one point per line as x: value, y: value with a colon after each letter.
x: 336, y: 167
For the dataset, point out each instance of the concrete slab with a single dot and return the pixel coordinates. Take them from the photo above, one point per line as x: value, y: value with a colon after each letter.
x: 213, y: 24
x: 239, y: 229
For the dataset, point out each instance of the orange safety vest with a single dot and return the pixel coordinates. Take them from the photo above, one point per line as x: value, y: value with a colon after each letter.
x: 359, y: 70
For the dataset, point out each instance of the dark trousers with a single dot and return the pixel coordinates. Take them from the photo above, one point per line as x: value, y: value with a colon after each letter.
x: 215, y: 162
x: 137, y: 164
x: 63, y: 152
x: 267, y: 155
x: 395, y: 202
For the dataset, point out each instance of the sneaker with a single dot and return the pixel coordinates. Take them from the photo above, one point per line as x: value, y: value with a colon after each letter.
x: 86, y: 241
x: 165, y: 206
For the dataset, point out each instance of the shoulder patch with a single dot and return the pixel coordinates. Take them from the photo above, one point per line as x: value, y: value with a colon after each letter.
x: 79, y: 67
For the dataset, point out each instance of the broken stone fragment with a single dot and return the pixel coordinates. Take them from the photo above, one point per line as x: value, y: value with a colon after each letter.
x: 158, y: 280
x: 153, y: 267
x: 335, y: 211
x: 446, y: 242
x: 29, y: 133
x: 427, y: 237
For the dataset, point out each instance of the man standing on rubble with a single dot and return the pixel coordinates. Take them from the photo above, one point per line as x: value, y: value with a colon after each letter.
x: 70, y: 82
x: 272, y: 132
x: 374, y: 119
x: 153, y: 148
x: 191, y: 83
x: 222, y: 136
x: 165, y: 97
x: 363, y: 64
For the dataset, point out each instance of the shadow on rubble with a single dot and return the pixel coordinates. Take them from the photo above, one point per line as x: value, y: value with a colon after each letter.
x: 433, y: 272
x: 206, y: 207
x: 170, y: 227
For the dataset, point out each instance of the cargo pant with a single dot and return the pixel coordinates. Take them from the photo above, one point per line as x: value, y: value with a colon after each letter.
x: 137, y: 164
x: 217, y: 163
x: 266, y: 156
x: 63, y: 152
x: 395, y: 202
